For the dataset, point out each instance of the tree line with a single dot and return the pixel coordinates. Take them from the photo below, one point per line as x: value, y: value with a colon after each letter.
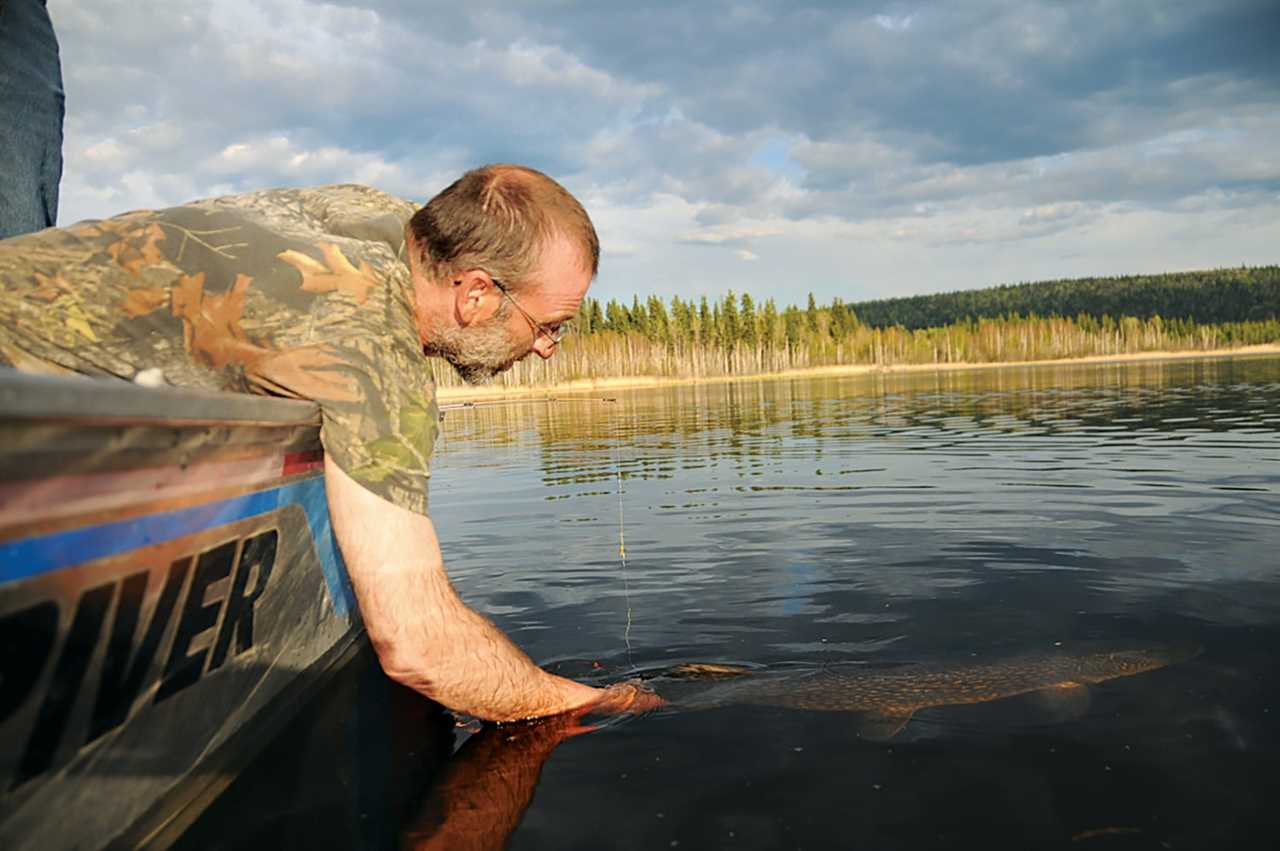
x: 738, y: 335
x: 1245, y: 294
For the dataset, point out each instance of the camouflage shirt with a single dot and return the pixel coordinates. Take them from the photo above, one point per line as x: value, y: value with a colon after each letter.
x: 301, y: 293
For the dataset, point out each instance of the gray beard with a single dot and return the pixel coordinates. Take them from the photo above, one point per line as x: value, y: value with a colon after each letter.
x: 476, y: 354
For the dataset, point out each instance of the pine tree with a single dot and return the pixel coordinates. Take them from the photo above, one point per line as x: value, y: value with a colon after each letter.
x: 639, y: 317
x: 839, y: 320
x: 681, y: 320
x: 617, y: 317
x: 769, y: 324
x: 730, y: 324
x: 793, y: 325
x: 659, y: 322
x: 750, y: 333
x: 582, y: 322
x: 596, y: 317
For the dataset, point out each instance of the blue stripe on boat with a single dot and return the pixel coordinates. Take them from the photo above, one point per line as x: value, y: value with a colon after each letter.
x: 29, y: 557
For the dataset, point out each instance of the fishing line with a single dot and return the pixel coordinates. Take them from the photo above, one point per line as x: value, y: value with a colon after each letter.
x: 616, y: 439
x: 622, y: 534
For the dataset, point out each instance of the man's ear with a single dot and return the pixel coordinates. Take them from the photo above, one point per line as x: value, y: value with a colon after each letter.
x: 473, y: 296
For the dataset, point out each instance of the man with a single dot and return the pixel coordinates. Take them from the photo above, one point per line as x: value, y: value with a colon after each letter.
x: 334, y: 294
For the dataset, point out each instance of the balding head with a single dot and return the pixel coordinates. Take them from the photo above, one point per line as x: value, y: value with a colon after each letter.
x: 501, y: 218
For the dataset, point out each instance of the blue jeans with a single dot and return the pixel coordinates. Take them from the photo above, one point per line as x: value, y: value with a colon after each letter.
x: 31, y: 110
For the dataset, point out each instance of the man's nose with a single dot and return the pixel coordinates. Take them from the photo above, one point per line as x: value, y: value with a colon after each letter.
x: 544, y: 346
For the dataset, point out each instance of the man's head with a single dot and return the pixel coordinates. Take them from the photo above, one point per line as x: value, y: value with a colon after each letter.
x: 500, y: 258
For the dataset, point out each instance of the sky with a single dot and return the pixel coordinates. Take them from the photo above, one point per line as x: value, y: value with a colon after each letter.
x: 848, y: 149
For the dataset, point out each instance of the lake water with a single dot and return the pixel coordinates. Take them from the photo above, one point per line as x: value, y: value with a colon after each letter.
x: 859, y: 524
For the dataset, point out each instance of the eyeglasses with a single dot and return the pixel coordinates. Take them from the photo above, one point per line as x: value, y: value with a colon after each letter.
x: 555, y: 333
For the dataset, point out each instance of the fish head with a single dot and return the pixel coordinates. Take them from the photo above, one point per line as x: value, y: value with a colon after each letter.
x: 1097, y: 667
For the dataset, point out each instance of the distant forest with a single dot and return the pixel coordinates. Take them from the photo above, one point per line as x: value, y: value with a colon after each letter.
x: 738, y: 335
x: 1216, y: 295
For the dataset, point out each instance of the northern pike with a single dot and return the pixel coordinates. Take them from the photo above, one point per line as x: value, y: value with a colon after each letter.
x: 887, y: 697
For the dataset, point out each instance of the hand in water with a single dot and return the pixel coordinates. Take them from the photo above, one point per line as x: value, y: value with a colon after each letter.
x: 488, y: 784
x: 630, y: 698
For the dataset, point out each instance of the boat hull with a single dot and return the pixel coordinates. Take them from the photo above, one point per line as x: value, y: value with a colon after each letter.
x: 169, y: 582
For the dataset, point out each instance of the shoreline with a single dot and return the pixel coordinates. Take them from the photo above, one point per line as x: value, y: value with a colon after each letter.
x: 592, y: 385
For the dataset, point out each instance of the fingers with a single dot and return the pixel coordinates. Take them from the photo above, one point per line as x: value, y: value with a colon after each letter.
x: 628, y: 697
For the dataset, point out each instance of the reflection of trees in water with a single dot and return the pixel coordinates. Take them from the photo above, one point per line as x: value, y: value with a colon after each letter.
x: 657, y: 431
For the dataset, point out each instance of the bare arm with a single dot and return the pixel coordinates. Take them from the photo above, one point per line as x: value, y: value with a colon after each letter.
x: 425, y: 636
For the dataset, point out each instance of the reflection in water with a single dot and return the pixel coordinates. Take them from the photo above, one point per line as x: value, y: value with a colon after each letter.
x: 489, y: 783
x: 742, y: 418
x: 371, y: 764
x: 399, y: 760
x: 347, y: 773
x: 854, y: 525
x: 792, y: 497
x: 885, y: 520
x: 486, y: 787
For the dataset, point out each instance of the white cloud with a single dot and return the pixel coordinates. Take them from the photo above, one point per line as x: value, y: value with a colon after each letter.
x: 1051, y: 213
x: 898, y: 151
x: 291, y: 162
x: 528, y: 64
x: 895, y: 23
x: 733, y: 233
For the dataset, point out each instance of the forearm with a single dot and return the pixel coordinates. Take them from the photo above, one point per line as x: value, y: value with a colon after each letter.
x: 425, y: 635
x: 428, y: 639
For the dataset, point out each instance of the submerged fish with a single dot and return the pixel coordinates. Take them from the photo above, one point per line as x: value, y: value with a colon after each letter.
x: 886, y: 698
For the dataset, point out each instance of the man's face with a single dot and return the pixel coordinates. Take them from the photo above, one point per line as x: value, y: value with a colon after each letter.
x: 477, y: 352
x: 482, y: 350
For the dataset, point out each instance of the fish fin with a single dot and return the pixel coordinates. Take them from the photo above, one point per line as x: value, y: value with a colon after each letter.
x: 882, y: 726
x: 1065, y: 701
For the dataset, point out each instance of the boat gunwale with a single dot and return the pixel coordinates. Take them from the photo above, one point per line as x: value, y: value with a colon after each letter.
x: 25, y: 397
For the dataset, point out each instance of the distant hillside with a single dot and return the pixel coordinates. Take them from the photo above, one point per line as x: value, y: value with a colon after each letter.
x: 1247, y: 294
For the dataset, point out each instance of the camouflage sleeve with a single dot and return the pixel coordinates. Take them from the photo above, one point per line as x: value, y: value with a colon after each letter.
x: 360, y: 358
x: 379, y: 416
x: 364, y: 365
x: 384, y: 442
